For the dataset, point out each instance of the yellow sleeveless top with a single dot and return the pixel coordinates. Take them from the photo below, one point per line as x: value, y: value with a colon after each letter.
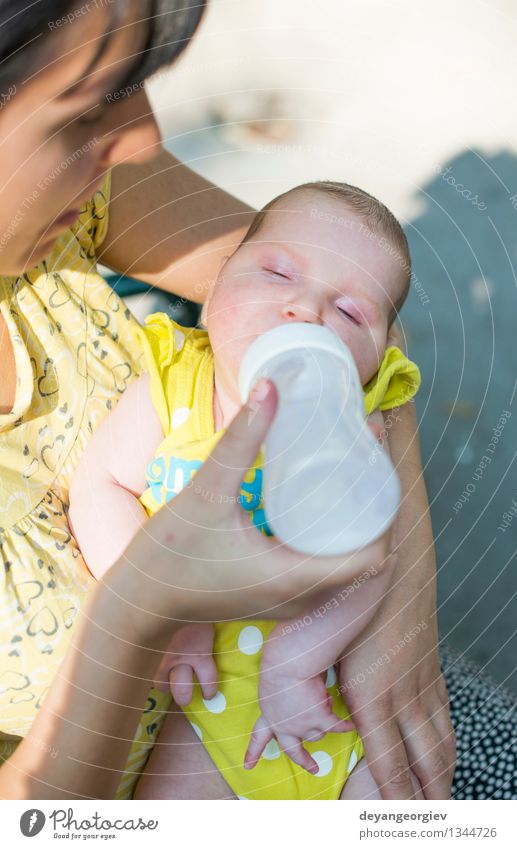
x: 181, y: 365
x: 75, y: 352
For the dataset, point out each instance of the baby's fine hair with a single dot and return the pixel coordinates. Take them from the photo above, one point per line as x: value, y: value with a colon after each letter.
x: 376, y: 216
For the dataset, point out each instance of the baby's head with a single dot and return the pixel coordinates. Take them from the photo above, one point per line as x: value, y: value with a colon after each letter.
x: 325, y: 253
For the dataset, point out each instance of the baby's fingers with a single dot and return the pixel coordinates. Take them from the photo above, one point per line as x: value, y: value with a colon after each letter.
x: 206, y: 673
x: 333, y: 724
x: 260, y: 737
x: 339, y: 726
x: 293, y: 748
x: 181, y: 680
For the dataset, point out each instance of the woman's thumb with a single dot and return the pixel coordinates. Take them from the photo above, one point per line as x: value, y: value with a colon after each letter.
x: 225, y: 468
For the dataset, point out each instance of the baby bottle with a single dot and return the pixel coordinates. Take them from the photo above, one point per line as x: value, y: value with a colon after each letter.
x: 328, y: 486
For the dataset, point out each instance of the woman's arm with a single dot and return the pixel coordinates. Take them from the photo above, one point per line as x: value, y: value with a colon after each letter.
x: 180, y: 567
x: 170, y: 227
x: 401, y: 707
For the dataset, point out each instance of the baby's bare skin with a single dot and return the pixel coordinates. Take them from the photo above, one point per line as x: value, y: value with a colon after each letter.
x: 197, y: 777
x: 296, y: 268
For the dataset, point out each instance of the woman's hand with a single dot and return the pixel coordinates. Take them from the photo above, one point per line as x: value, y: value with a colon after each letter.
x: 197, y: 559
x: 392, y: 684
x: 222, y: 567
x: 390, y: 675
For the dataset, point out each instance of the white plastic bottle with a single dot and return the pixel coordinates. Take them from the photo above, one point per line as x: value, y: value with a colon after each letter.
x: 328, y: 487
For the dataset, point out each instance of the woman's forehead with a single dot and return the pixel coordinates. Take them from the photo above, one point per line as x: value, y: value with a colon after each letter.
x: 90, y: 51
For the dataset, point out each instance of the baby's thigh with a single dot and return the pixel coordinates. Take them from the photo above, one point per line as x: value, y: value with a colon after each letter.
x: 179, y: 766
x: 361, y: 785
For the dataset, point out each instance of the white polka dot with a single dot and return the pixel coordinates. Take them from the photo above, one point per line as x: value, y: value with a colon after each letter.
x: 250, y: 640
x: 272, y: 751
x: 331, y: 677
x: 217, y: 704
x: 197, y: 730
x: 352, y: 762
x: 324, y: 762
x: 179, y: 339
x: 179, y: 417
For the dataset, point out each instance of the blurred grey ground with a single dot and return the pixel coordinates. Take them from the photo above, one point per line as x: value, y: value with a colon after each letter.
x: 389, y: 96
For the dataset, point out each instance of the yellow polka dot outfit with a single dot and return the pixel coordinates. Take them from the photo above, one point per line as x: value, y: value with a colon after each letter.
x: 75, y: 352
x: 181, y: 366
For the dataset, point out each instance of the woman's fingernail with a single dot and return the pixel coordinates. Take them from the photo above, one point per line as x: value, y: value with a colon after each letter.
x: 259, y: 392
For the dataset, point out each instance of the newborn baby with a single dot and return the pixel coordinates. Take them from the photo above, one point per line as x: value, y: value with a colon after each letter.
x: 326, y: 253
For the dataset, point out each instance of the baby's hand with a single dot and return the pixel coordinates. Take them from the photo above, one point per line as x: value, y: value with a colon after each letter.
x: 294, y: 709
x: 189, y: 654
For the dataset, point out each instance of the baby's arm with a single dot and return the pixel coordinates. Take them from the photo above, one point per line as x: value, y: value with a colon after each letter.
x: 104, y: 510
x: 293, y: 698
x: 105, y: 514
x: 294, y: 702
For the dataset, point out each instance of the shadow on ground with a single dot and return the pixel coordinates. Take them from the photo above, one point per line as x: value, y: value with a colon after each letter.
x: 461, y: 324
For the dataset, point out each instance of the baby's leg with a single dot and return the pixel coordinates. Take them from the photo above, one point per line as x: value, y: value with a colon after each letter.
x: 179, y: 766
x: 360, y: 784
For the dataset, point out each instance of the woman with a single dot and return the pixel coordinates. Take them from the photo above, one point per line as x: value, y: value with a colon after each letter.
x: 83, y: 176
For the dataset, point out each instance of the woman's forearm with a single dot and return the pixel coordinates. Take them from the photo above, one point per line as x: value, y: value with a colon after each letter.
x: 90, y: 714
x: 195, y: 560
x: 415, y: 570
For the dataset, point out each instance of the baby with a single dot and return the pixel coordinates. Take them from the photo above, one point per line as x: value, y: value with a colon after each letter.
x: 326, y: 253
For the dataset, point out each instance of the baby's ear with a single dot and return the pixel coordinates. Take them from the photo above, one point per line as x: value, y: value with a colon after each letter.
x: 395, y: 337
x: 202, y: 317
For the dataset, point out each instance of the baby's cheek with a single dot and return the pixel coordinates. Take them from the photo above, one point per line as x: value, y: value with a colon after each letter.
x: 368, y: 360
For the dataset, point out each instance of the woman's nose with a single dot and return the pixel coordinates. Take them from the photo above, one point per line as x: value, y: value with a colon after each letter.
x: 137, y: 137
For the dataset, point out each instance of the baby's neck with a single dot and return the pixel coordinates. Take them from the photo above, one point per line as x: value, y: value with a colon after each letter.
x: 225, y: 408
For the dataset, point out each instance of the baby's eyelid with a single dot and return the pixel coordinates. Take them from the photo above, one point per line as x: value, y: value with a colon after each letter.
x: 346, y: 307
x: 276, y: 272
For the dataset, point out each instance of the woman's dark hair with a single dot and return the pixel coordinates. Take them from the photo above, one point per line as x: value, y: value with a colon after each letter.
x: 26, y: 24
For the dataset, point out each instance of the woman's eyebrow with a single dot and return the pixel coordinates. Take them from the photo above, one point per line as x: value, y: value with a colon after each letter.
x: 82, y: 81
x: 117, y: 82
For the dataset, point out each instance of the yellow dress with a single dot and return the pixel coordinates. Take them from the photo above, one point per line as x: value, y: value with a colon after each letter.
x: 181, y: 366
x: 75, y: 351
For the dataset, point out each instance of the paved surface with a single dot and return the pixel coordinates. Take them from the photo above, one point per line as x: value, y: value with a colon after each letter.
x: 389, y: 96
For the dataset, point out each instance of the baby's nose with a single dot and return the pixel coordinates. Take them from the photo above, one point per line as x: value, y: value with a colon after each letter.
x: 302, y: 312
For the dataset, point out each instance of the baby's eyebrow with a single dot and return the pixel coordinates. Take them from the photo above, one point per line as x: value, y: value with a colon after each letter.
x: 369, y: 309
x: 282, y: 246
